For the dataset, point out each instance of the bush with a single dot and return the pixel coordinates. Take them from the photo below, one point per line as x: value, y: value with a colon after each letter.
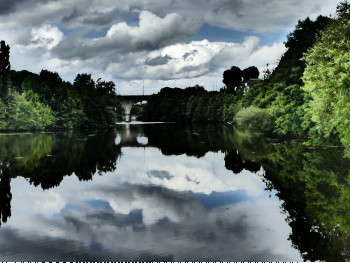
x: 254, y: 118
x: 24, y: 112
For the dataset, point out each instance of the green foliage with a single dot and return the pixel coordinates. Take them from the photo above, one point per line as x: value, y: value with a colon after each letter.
x: 98, y: 101
x: 18, y: 77
x: 36, y: 102
x: 85, y: 104
x: 343, y: 10
x: 327, y: 81
x: 254, y: 118
x: 193, y: 104
x: 24, y: 112
x: 281, y: 93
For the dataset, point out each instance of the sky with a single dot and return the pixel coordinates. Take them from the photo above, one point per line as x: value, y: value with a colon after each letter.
x: 151, y: 44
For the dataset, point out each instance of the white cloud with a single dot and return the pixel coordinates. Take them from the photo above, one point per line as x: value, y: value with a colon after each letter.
x: 155, y: 31
x: 152, y: 33
x: 45, y: 36
x: 40, y: 201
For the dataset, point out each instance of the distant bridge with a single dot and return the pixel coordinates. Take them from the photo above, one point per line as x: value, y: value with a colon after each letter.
x: 127, y: 101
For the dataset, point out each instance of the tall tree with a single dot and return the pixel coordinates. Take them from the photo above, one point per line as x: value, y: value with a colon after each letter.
x: 5, y: 67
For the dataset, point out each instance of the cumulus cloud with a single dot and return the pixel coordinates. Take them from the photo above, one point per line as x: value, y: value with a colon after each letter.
x: 46, y: 36
x: 152, y: 33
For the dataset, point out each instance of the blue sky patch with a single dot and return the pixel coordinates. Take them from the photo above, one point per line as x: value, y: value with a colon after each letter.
x: 217, y: 199
x: 97, y: 33
x: 96, y: 203
x: 213, y: 33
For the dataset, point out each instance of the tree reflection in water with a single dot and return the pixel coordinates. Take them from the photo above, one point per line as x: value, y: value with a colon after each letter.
x: 313, y: 184
x: 5, y: 191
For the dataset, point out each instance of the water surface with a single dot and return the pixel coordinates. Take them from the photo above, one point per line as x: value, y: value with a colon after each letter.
x: 171, y: 192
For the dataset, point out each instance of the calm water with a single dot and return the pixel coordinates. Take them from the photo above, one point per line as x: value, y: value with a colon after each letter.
x: 171, y: 192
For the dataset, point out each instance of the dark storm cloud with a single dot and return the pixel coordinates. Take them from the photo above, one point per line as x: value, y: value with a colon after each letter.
x: 76, y: 47
x: 158, y: 61
x: 93, y: 18
x: 8, y: 6
x: 71, y: 16
x: 232, y: 6
x: 99, y: 19
x: 193, y: 71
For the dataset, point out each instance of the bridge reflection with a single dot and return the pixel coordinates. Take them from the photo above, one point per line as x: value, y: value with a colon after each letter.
x: 130, y: 139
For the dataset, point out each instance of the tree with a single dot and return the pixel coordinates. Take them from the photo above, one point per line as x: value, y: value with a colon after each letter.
x: 327, y: 82
x: 5, y: 67
x: 250, y: 72
x: 343, y: 9
x: 232, y: 77
x: 233, y: 80
x: 267, y: 72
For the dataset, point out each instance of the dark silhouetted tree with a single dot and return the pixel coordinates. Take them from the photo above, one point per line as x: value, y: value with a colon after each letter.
x: 233, y: 80
x: 249, y: 73
x: 5, y: 67
x: 232, y: 77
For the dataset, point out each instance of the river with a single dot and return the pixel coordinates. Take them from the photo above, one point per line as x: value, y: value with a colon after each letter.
x: 171, y: 192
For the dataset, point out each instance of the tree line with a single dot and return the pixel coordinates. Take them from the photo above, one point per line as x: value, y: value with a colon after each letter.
x: 195, y: 104
x: 41, y: 101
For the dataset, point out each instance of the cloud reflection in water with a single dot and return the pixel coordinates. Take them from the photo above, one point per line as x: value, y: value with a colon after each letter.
x: 153, y: 207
